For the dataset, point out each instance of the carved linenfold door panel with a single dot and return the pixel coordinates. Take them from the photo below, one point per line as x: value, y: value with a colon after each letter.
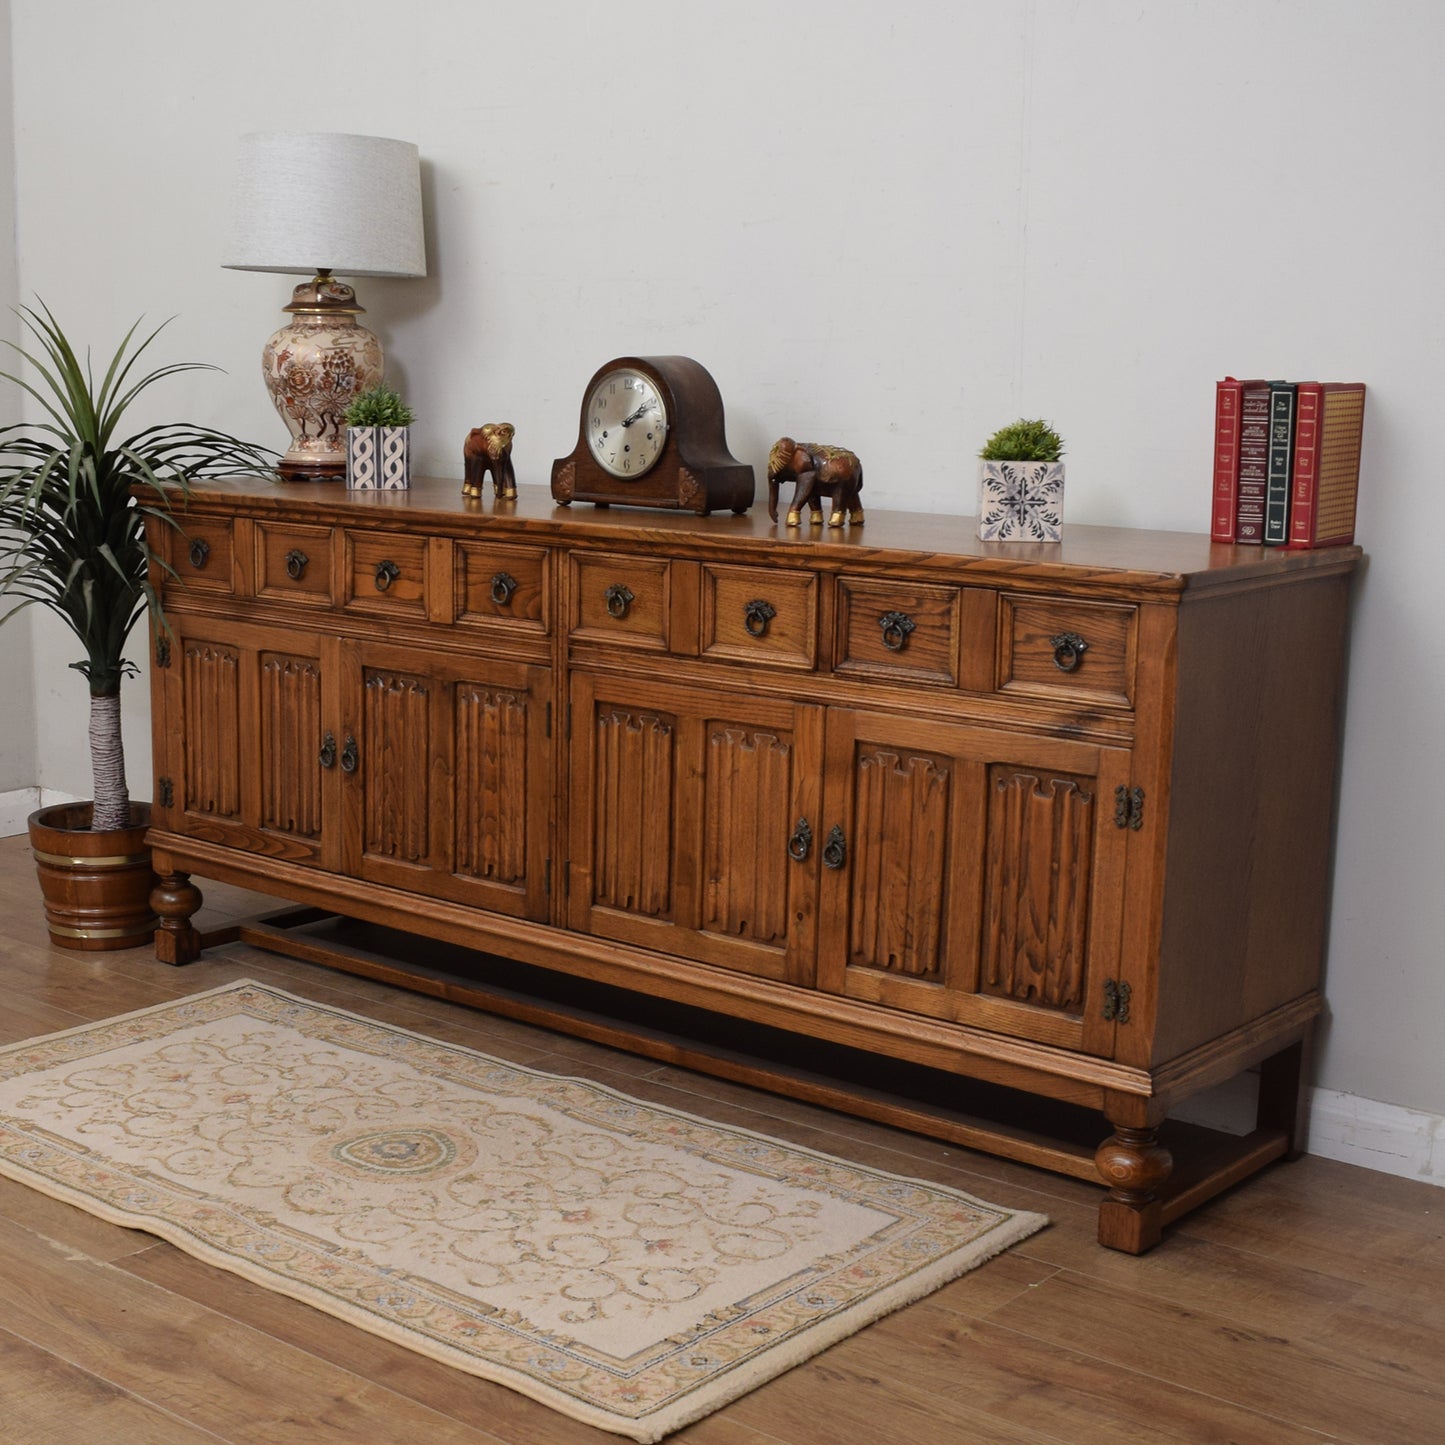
x: 211, y: 674
x: 1037, y: 889
x: 446, y: 776
x: 683, y: 807
x: 978, y: 876
x: 244, y: 713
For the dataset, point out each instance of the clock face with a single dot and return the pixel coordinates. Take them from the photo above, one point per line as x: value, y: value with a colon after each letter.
x: 626, y: 424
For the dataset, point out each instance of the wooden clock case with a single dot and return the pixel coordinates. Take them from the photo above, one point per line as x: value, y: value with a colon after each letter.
x: 695, y: 473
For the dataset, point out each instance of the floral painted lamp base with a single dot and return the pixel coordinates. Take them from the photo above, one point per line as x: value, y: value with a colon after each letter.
x: 1020, y: 501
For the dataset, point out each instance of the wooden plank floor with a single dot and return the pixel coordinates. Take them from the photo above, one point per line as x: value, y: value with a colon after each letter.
x: 1307, y: 1305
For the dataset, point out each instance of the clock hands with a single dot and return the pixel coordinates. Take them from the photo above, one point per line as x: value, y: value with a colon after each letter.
x: 646, y: 406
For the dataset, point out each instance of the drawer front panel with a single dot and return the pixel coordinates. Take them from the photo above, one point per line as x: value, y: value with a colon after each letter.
x: 617, y: 596
x: 1061, y: 648
x: 503, y: 585
x: 202, y: 553
x: 905, y: 631
x: 293, y: 563
x: 758, y: 614
x: 386, y: 574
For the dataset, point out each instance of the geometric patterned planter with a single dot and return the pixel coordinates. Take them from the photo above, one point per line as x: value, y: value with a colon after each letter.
x: 378, y: 458
x: 1020, y: 501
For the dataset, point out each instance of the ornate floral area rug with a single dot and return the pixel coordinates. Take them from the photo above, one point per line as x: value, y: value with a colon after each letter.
x: 629, y: 1265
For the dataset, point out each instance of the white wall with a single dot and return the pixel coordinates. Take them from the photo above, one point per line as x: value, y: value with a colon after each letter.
x: 18, y: 763
x: 891, y: 227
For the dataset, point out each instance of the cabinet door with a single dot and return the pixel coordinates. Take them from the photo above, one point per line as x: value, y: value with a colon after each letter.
x: 244, y: 750
x: 447, y: 784
x: 972, y: 875
x: 683, y: 807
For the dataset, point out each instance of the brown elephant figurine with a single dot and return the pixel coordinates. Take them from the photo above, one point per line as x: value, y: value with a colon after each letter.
x: 817, y: 471
x: 489, y: 449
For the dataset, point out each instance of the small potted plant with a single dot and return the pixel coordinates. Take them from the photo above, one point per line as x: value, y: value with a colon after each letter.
x: 378, y: 441
x: 1021, y: 484
x: 74, y: 497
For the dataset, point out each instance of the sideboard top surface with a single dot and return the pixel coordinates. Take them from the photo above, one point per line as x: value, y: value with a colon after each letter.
x: 1120, y: 556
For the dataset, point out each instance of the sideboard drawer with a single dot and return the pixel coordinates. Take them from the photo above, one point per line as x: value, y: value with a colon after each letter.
x: 1062, y: 648
x: 202, y: 554
x: 504, y: 585
x: 621, y: 596
x: 760, y: 614
x: 386, y: 574
x: 908, y: 631
x: 293, y: 563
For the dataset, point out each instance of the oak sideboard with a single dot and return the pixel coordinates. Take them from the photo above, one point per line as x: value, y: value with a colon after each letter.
x: 982, y: 840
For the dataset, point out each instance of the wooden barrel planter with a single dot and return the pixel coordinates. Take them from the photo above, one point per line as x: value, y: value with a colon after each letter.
x: 96, y: 886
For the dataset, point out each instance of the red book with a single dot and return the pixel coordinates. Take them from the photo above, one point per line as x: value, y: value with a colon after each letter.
x: 1226, y: 460
x: 1329, y: 425
x: 1253, y: 461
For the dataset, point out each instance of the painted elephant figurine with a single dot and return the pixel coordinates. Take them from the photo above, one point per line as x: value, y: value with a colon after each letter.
x: 817, y: 471
x: 489, y: 449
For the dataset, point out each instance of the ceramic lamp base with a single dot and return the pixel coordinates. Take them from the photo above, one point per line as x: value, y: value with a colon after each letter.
x: 315, y: 366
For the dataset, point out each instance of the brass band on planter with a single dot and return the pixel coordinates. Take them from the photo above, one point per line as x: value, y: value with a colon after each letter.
x: 67, y: 932
x: 113, y: 860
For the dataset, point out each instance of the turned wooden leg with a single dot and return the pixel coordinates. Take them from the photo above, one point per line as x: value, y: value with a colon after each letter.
x: 174, y: 899
x: 1133, y: 1163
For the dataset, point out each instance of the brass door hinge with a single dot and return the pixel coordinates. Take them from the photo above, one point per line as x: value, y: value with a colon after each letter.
x: 165, y: 792
x: 1128, y: 807
x: 1116, y: 1001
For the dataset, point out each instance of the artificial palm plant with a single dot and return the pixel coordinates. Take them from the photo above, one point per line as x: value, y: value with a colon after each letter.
x: 73, y: 503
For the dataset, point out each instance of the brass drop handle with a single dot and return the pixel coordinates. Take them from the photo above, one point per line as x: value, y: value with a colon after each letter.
x: 619, y: 598
x: 296, y: 561
x: 801, y: 843
x: 1069, y: 649
x: 200, y: 553
x: 386, y: 573
x: 503, y: 585
x: 328, y: 751
x: 756, y: 616
x: 835, y: 850
x: 896, y: 627
x: 349, y: 755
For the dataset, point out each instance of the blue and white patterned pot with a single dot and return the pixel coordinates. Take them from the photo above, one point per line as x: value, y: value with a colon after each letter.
x: 1020, y: 501
x: 378, y: 458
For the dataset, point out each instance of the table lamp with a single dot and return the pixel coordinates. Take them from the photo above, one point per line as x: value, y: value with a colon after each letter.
x: 307, y: 204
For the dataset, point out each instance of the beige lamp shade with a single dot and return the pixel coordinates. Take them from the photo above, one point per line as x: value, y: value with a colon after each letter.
x: 305, y: 200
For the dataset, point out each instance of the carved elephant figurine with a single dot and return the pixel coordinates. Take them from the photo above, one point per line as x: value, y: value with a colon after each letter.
x: 489, y: 449
x: 817, y: 471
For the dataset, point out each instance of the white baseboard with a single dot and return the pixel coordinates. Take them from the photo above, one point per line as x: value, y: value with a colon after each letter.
x: 1386, y: 1137
x: 17, y: 806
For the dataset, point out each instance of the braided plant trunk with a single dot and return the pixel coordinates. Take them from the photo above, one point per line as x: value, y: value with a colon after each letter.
x: 107, y: 761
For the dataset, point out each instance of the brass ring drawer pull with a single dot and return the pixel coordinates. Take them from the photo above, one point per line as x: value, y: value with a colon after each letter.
x: 756, y: 616
x: 386, y: 573
x: 350, y: 756
x: 503, y: 585
x: 1069, y: 649
x: 835, y: 850
x: 801, y: 843
x: 296, y: 561
x: 896, y: 627
x: 619, y: 599
x: 200, y: 553
x: 328, y: 751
